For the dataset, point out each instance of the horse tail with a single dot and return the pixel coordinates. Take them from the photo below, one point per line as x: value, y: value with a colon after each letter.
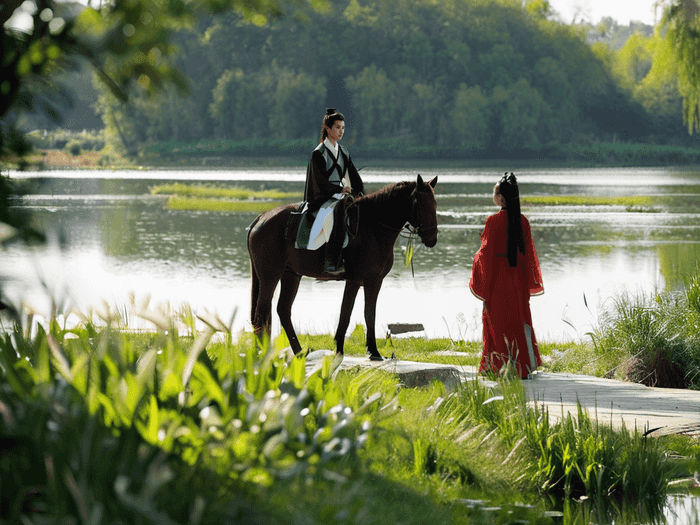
x: 255, y: 284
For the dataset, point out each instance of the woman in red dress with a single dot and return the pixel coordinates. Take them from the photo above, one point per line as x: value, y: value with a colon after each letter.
x: 505, y: 274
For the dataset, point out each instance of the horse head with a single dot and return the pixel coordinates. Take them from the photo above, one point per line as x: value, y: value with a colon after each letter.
x: 423, y: 215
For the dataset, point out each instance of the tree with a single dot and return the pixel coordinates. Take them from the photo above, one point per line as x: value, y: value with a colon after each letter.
x: 681, y: 21
x: 470, y: 118
x: 128, y: 42
x: 520, y: 117
x: 372, y: 93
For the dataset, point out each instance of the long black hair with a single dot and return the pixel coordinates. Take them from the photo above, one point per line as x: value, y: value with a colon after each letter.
x: 328, y: 120
x: 508, y: 188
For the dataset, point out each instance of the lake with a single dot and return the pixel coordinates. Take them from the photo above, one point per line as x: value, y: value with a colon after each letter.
x: 110, y: 238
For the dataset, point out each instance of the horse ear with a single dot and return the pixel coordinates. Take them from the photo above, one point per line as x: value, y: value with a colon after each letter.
x: 420, y: 181
x: 433, y: 182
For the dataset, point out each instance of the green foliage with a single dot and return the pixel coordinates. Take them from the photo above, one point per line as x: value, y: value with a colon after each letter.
x: 220, y: 205
x: 73, y: 147
x: 201, y: 190
x: 182, y: 424
x: 209, y: 198
x: 578, y: 200
x: 647, y: 340
x: 579, y: 457
x: 681, y: 34
x: 174, y: 422
x: 478, y: 87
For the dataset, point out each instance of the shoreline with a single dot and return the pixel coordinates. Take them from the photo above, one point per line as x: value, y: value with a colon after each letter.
x: 56, y: 160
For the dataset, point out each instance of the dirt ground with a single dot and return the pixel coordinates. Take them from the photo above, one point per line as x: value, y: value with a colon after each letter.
x: 61, y: 159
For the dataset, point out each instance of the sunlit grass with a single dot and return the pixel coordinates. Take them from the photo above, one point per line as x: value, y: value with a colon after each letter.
x: 651, y: 340
x: 631, y: 202
x: 199, y: 197
x: 220, y: 205
x: 200, y: 190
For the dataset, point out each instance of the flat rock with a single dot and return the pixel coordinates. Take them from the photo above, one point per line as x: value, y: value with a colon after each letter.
x: 654, y: 411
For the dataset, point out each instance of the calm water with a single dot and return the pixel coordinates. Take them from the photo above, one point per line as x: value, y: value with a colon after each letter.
x: 117, y: 239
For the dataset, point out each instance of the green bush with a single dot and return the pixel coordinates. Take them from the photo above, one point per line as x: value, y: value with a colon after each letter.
x: 74, y: 147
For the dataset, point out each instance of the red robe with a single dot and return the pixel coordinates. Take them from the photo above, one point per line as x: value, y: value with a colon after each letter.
x: 506, y: 291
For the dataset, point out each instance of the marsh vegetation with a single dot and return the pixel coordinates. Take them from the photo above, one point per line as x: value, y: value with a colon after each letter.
x: 188, y: 423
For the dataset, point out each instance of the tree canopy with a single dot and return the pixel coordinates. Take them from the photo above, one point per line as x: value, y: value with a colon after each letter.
x: 486, y: 76
x: 127, y: 42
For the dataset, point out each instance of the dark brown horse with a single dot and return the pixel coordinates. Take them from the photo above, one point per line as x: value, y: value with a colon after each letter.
x: 368, y: 256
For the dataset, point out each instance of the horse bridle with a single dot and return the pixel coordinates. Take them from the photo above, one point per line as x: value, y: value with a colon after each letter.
x: 408, y: 227
x: 416, y: 230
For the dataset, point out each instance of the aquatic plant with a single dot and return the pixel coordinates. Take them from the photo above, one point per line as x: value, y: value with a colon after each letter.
x: 220, y: 205
x: 238, y: 193
x: 638, y: 202
x: 199, y: 197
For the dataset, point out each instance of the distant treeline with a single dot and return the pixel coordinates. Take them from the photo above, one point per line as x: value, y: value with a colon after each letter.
x: 594, y: 154
x: 461, y: 78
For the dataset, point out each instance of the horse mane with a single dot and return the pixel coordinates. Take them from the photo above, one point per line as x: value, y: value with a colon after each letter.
x: 387, y: 193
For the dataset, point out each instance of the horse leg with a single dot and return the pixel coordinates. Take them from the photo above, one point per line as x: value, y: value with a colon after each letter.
x: 262, y: 322
x: 288, y: 291
x: 349, y: 295
x: 371, y: 295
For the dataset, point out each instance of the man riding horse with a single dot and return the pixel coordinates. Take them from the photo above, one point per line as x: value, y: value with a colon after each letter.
x: 331, y: 178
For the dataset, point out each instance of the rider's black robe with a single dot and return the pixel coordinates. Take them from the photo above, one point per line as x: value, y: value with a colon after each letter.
x: 324, y: 175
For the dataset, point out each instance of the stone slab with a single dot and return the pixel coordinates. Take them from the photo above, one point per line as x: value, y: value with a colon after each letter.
x: 656, y: 411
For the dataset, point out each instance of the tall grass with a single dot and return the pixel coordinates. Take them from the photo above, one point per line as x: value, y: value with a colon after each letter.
x: 657, y: 340
x: 654, y: 340
x: 190, y: 424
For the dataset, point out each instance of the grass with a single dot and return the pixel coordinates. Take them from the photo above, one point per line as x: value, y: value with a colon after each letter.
x: 631, y: 202
x: 189, y: 423
x: 175, y: 202
x: 198, y: 197
x: 199, y: 190
x: 650, y: 340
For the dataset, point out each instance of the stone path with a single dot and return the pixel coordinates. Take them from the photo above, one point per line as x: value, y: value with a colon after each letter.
x: 656, y: 411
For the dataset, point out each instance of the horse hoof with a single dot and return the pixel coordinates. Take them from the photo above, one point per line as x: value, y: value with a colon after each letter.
x: 375, y: 357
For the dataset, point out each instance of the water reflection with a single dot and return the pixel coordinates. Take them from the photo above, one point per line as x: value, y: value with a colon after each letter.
x: 119, y: 239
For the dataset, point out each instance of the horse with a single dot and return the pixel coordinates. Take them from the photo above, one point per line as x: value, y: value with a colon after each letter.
x: 368, y: 256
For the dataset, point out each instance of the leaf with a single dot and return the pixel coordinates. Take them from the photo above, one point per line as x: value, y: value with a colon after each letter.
x: 197, y: 347
x: 152, y: 433
x: 60, y: 362
x: 408, y: 255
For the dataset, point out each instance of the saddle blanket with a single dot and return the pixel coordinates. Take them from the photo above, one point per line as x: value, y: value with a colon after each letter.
x: 313, y: 235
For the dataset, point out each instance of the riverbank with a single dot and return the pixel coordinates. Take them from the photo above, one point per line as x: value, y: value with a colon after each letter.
x: 270, y: 154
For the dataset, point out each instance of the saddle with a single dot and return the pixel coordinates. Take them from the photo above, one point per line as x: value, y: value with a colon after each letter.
x: 298, y: 227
